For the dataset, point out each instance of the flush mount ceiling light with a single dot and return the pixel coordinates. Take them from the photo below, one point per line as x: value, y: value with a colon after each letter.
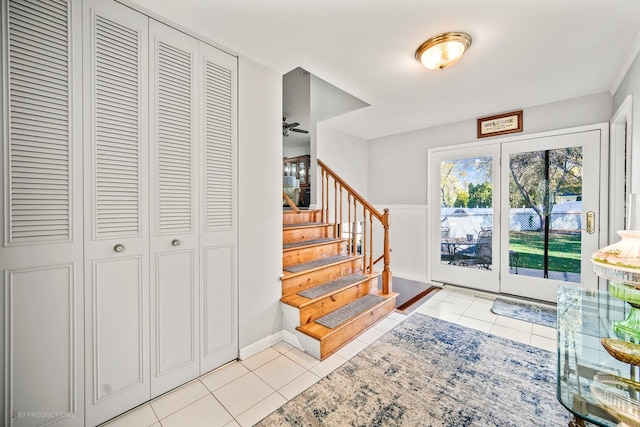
x: 443, y: 50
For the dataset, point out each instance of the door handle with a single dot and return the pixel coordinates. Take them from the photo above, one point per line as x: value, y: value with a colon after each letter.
x: 175, y: 242
x: 591, y: 222
x: 119, y: 247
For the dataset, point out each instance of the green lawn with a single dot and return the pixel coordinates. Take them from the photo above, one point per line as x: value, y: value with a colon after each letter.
x: 564, y: 250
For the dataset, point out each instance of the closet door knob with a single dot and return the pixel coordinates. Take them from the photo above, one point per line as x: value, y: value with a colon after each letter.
x: 175, y: 242
x: 118, y: 248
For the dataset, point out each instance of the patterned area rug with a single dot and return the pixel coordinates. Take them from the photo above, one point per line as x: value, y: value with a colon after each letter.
x: 428, y: 372
x: 527, y: 312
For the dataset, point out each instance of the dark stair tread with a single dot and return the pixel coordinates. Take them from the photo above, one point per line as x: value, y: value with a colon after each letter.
x: 344, y: 313
x: 329, y: 287
x: 310, y: 242
x: 321, y: 262
x: 304, y: 224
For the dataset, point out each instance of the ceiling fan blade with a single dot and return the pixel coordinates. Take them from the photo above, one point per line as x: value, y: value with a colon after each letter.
x: 299, y: 130
x: 292, y: 125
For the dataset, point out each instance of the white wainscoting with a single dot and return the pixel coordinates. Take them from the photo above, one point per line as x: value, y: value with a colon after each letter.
x: 408, y: 240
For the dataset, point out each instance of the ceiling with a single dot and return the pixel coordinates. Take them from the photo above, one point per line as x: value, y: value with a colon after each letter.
x: 524, y: 53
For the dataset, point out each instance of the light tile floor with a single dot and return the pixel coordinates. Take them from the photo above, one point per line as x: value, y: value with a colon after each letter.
x: 241, y: 393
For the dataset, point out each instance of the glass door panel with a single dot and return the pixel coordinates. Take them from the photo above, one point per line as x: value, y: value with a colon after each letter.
x: 464, y: 191
x: 545, y: 200
x: 547, y: 193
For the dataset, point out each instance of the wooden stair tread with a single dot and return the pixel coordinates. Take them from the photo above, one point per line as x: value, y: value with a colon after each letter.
x: 320, y: 332
x: 292, y: 212
x: 302, y: 216
x: 309, y: 243
x: 333, y: 287
x: 305, y: 225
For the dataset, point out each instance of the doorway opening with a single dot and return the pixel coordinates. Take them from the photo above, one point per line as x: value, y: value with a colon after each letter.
x: 514, y: 220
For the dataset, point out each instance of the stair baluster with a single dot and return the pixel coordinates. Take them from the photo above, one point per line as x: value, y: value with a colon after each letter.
x: 353, y: 199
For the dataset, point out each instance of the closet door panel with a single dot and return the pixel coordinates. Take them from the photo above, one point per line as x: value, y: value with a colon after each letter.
x: 174, y: 225
x: 116, y: 209
x: 41, y: 323
x: 220, y: 335
x: 116, y: 285
x: 41, y: 327
x: 175, y: 310
x: 219, y: 235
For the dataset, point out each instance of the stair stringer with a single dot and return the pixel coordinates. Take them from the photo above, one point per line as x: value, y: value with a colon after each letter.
x: 291, y: 320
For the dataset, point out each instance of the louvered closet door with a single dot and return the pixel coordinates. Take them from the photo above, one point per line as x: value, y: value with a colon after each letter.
x: 41, y: 330
x: 219, y: 230
x: 116, y: 200
x: 174, y: 227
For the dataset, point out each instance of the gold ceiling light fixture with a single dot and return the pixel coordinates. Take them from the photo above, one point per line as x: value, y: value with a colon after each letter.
x: 443, y: 50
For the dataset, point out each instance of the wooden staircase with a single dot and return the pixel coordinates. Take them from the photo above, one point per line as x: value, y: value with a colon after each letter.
x: 340, y: 275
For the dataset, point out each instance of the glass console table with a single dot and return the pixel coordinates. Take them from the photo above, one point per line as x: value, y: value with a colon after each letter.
x: 593, y: 385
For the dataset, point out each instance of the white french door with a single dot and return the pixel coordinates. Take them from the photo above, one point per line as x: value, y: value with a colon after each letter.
x: 518, y: 216
x: 465, y: 247
x: 550, y: 243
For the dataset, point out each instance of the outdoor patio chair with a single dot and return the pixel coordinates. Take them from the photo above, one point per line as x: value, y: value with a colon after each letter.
x: 514, y: 257
x: 478, y: 255
x: 445, y: 252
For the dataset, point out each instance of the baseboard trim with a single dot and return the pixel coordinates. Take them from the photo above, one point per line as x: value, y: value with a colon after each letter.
x: 258, y: 346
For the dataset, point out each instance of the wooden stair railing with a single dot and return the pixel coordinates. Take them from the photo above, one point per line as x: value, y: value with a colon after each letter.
x: 359, y: 211
x: 290, y: 202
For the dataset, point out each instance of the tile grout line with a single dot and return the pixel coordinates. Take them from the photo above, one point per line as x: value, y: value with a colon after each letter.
x: 364, y: 344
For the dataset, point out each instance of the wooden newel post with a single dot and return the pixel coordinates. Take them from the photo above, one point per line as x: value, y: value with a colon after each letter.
x: 386, y: 272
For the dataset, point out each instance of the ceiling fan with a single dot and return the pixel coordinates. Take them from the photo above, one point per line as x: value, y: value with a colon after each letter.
x: 287, y: 128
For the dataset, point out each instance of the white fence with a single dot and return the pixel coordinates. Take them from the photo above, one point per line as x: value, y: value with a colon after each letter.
x: 565, y: 217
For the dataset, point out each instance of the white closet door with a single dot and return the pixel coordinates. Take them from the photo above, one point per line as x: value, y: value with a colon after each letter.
x: 219, y: 233
x: 41, y: 328
x: 116, y: 209
x: 173, y: 153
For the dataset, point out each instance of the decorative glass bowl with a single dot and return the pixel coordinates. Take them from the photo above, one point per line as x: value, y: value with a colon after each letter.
x: 618, y: 396
x: 624, y: 351
x: 620, y: 264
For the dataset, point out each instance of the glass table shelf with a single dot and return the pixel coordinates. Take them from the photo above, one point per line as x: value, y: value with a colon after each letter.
x: 593, y: 385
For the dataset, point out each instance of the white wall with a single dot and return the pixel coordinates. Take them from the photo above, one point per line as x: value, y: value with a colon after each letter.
x: 398, y: 163
x: 345, y: 154
x: 295, y: 150
x: 329, y: 101
x: 334, y: 147
x: 397, y: 171
x: 631, y: 86
x: 260, y: 189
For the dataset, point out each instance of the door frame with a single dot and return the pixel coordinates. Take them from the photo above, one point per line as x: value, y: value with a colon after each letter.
x: 602, y: 221
x: 620, y: 166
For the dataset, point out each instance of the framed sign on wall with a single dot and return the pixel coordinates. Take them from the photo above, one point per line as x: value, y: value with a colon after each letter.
x: 500, y: 124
